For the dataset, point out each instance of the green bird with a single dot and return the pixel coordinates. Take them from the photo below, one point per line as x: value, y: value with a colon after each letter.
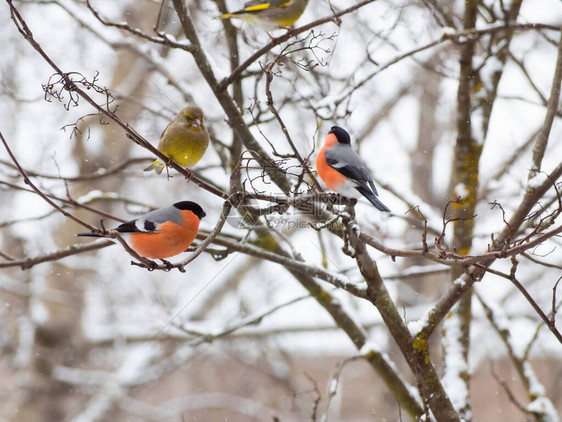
x: 270, y: 15
x: 184, y: 140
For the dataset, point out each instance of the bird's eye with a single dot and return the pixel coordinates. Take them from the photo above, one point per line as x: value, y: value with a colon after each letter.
x: 188, y: 118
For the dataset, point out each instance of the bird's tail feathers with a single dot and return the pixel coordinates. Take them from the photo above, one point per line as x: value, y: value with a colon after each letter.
x: 372, y: 198
x: 88, y: 234
x: 157, y: 166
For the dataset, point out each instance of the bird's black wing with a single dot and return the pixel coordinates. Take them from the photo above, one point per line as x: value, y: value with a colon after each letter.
x: 131, y: 227
x: 350, y: 165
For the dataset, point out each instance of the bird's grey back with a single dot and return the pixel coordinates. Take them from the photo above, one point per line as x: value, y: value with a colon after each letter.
x: 344, y: 157
x: 164, y: 214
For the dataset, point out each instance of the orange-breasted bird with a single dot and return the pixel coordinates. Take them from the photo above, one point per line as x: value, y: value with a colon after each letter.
x: 342, y: 170
x: 161, y: 233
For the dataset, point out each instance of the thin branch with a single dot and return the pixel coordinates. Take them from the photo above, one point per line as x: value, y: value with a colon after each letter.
x: 522, y: 366
x: 521, y: 66
x: 529, y: 298
x: 333, y: 384
x: 71, y: 86
x: 551, y: 109
x: 484, y: 188
x: 292, y: 33
x: 79, y: 204
x: 454, y: 259
x: 227, y: 206
x: 553, y: 311
x: 236, y: 120
x: 457, y: 37
x: 464, y: 283
x: 38, y: 192
x: 147, y: 263
x: 291, y: 264
x: 537, y: 261
x: 161, y: 39
x: 252, y: 320
x: 70, y: 250
x: 502, y: 382
x: 99, y: 174
x: 271, y: 105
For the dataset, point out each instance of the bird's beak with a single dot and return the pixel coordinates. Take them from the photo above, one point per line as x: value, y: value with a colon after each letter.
x: 196, y: 123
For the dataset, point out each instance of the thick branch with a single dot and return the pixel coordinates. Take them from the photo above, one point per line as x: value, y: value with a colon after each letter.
x: 415, y: 351
x: 229, y: 106
x: 357, y: 335
x: 530, y: 199
x: 465, y: 178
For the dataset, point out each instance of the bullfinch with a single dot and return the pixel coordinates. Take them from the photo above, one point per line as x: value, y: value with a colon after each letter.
x: 184, y: 140
x: 271, y: 14
x: 342, y: 170
x: 161, y: 233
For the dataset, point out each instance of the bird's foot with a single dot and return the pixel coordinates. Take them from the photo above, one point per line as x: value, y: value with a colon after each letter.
x: 350, y: 208
x: 168, y: 265
x: 189, y: 174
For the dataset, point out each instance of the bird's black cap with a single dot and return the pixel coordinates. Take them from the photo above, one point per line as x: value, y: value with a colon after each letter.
x: 191, y: 206
x: 341, y: 135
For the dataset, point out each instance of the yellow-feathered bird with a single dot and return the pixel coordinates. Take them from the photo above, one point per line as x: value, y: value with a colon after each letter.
x: 184, y: 140
x: 271, y: 14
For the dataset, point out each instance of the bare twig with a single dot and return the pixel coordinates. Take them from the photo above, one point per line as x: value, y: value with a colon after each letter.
x: 227, y: 206
x: 461, y: 36
x: 292, y: 33
x: 252, y: 320
x: 553, y: 311
x: 551, y: 110
x: 70, y: 250
x: 271, y: 105
x: 71, y: 86
x: 511, y: 277
x: 161, y: 39
x: 100, y: 174
x: 334, y: 383
x: 502, y: 382
x: 38, y: 191
x: 291, y: 264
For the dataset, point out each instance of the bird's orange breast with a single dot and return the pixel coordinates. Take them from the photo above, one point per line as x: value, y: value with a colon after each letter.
x: 331, y: 177
x: 170, y: 240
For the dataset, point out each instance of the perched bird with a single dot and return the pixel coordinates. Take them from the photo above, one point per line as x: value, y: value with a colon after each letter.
x: 342, y: 170
x: 161, y: 233
x: 271, y: 14
x: 184, y: 140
